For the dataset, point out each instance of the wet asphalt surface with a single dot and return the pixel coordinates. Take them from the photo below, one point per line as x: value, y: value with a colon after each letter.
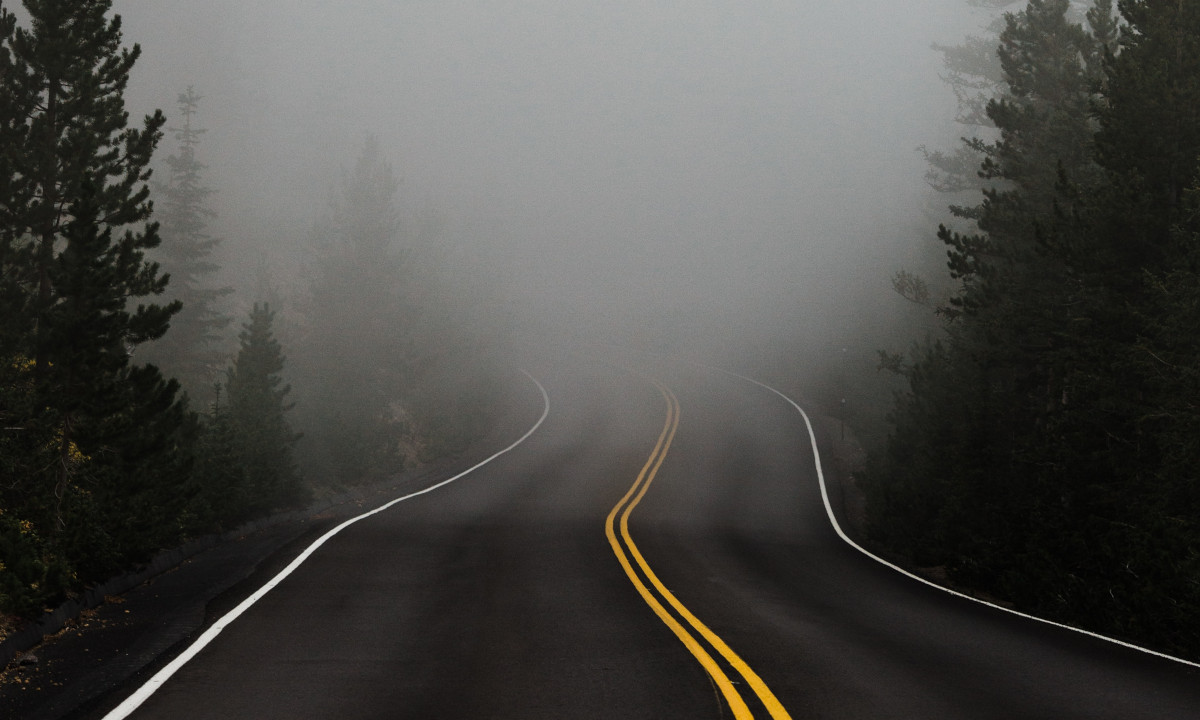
x: 499, y: 596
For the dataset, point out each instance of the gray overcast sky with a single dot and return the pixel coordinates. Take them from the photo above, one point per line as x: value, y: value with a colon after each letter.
x: 709, y: 154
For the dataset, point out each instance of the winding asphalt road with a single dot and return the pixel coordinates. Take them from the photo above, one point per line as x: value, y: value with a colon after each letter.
x: 515, y: 592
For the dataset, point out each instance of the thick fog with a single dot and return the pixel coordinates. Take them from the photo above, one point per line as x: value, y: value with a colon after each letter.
x: 714, y: 172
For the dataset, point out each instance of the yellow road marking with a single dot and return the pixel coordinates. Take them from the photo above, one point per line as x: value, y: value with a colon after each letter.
x: 629, y: 502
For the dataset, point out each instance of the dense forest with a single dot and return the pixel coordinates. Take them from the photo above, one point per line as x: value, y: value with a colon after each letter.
x: 133, y: 412
x: 1042, y: 450
x: 1045, y: 448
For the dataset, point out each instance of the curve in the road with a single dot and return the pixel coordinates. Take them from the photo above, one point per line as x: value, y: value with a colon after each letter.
x: 154, y: 683
x: 846, y: 538
x: 619, y: 546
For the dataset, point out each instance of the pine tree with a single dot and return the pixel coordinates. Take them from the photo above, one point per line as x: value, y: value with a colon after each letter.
x: 1018, y: 287
x: 190, y: 351
x: 263, y: 437
x: 219, y: 494
x: 1147, y: 229
x: 1046, y: 134
x: 354, y: 358
x: 1052, y: 68
x: 977, y: 428
x: 15, y: 279
x: 1046, y: 451
x: 76, y: 203
x: 1150, y: 136
x: 1141, y: 232
x: 972, y: 70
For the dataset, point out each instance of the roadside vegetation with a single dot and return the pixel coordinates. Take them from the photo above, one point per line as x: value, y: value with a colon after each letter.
x: 1043, y: 447
x: 133, y: 413
x: 1046, y: 445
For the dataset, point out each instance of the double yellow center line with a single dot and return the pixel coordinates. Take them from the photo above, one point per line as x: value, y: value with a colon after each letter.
x: 625, y: 548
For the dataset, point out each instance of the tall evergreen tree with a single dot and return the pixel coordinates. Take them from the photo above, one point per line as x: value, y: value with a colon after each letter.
x: 1148, y: 219
x: 262, y: 435
x: 971, y: 431
x: 1046, y: 451
x: 1052, y: 69
x: 354, y: 357
x: 972, y: 70
x: 14, y: 268
x: 191, y: 351
x: 1150, y: 136
x: 973, y: 73
x: 76, y: 202
x: 15, y: 278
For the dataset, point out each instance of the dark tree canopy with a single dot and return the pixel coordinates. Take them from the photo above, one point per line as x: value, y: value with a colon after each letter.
x: 89, y: 435
x: 76, y: 208
x: 1045, y: 448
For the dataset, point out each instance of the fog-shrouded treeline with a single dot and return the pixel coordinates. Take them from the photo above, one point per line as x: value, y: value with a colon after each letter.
x: 142, y: 400
x: 278, y: 310
x: 1045, y: 449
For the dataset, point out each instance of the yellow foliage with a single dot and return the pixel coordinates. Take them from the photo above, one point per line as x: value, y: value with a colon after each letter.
x: 74, y: 455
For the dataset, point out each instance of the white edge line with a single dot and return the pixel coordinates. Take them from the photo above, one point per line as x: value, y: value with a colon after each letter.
x: 154, y: 683
x: 837, y: 527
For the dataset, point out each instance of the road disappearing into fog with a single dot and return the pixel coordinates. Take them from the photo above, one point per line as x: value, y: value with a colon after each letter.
x: 659, y: 548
